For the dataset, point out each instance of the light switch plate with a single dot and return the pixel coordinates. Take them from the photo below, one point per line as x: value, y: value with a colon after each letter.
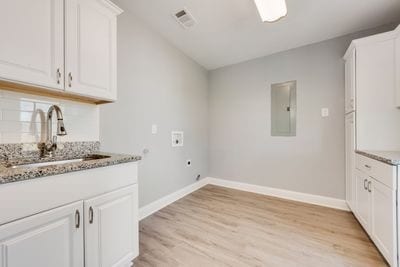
x: 177, y: 138
x: 325, y: 112
x: 154, y: 129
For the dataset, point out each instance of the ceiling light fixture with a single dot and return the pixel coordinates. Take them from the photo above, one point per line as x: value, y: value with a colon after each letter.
x: 271, y: 10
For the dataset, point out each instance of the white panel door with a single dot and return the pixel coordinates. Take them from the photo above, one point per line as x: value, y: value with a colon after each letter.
x: 112, y: 228
x: 91, y: 50
x: 49, y: 239
x: 363, y: 206
x: 350, y: 82
x: 32, y: 46
x: 350, y: 159
x: 383, y: 220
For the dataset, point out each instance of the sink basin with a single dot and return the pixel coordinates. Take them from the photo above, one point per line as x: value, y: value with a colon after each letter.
x: 56, y: 162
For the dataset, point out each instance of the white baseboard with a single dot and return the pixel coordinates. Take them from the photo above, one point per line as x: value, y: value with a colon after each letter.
x: 169, y: 199
x: 280, y: 193
x: 263, y: 190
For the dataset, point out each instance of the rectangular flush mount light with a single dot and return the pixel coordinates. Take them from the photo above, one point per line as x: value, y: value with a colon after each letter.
x: 271, y: 10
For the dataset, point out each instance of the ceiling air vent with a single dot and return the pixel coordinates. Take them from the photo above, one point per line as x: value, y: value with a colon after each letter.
x: 185, y: 19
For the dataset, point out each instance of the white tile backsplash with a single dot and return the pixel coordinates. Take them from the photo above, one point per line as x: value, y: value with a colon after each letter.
x: 23, y: 118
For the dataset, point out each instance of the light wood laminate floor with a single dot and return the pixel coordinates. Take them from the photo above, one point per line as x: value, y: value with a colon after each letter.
x: 216, y: 226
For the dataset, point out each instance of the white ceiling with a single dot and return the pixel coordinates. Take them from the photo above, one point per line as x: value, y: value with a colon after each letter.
x: 231, y: 31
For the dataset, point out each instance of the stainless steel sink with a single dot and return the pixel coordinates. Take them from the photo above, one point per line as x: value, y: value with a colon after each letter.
x: 56, y: 162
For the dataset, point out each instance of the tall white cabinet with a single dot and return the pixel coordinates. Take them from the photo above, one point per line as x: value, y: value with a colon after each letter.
x: 350, y: 120
x: 65, y: 45
x: 372, y: 123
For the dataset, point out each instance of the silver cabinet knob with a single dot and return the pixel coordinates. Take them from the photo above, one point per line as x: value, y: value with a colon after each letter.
x: 77, y: 219
x: 70, y: 79
x: 58, y: 75
x: 91, y: 215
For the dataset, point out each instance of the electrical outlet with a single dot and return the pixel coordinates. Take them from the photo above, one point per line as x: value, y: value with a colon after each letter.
x: 177, y: 139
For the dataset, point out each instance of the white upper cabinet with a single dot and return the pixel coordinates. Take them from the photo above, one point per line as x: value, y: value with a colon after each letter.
x: 64, y: 45
x: 111, y: 228
x: 49, y: 239
x: 32, y: 45
x: 372, y: 87
x: 350, y: 81
x: 91, y: 48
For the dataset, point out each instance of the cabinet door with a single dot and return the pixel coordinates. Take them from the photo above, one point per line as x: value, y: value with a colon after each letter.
x: 53, y: 238
x: 350, y: 160
x: 350, y: 82
x: 378, y: 120
x: 32, y: 49
x: 363, y: 205
x: 91, y: 48
x: 112, y: 228
x: 383, y: 220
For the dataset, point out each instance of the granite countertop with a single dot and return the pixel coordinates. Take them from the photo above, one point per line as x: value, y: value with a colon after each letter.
x: 16, y: 154
x: 389, y: 157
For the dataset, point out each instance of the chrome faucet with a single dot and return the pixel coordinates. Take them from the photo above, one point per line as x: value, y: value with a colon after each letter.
x: 51, y: 141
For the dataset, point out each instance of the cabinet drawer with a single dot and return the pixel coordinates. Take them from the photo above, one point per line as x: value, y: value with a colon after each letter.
x: 380, y: 171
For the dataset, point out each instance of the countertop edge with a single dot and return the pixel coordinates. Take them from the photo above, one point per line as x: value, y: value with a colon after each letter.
x: 24, y: 174
x: 386, y: 160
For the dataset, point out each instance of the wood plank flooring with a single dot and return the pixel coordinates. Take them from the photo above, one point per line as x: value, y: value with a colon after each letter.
x: 216, y: 226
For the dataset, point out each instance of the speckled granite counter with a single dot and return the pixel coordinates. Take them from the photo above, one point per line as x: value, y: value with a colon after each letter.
x: 18, y: 154
x: 389, y: 157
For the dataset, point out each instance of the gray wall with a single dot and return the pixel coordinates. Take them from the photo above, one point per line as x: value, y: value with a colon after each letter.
x: 241, y: 147
x: 156, y: 84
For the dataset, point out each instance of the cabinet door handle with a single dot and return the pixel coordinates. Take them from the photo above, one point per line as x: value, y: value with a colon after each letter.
x: 58, y: 75
x: 365, y: 184
x: 369, y: 187
x: 77, y: 219
x: 69, y: 79
x: 91, y: 215
x: 367, y: 166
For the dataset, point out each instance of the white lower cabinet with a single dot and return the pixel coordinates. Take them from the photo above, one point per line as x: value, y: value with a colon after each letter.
x: 102, y: 231
x: 111, y: 228
x: 383, y: 220
x: 376, y: 204
x: 362, y: 211
x: 48, y: 239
